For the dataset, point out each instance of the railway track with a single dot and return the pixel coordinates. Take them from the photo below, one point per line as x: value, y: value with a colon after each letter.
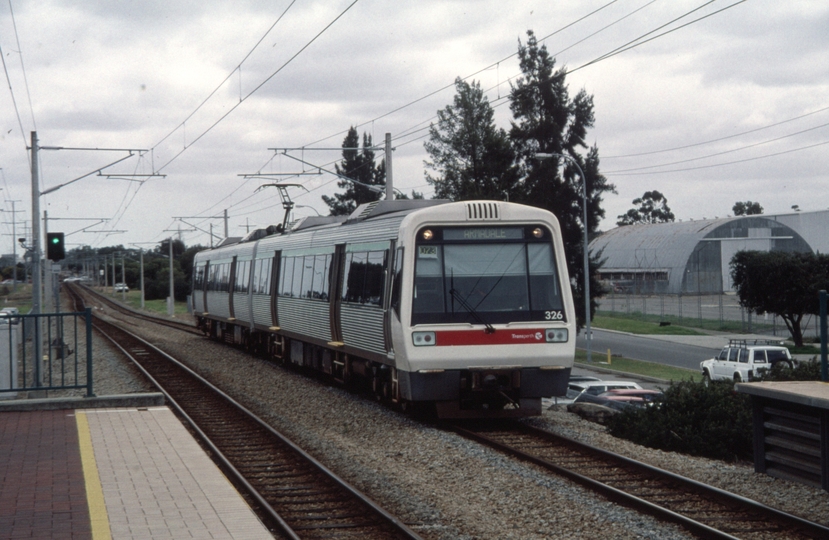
x: 92, y: 296
x: 294, y: 493
x: 705, y: 511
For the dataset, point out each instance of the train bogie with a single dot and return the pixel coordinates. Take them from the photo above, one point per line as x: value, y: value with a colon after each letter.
x: 466, y: 306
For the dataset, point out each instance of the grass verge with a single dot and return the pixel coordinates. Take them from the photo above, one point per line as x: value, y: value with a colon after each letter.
x: 636, y: 326
x: 637, y: 367
x: 133, y: 299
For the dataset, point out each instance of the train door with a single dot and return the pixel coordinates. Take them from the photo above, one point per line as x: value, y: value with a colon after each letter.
x: 276, y: 272
x: 205, y: 280
x: 391, y: 272
x: 335, y: 288
x: 231, y: 286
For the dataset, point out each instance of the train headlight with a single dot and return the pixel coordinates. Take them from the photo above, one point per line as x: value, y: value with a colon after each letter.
x: 423, y: 339
x: 556, y: 335
x: 538, y: 233
x: 428, y: 234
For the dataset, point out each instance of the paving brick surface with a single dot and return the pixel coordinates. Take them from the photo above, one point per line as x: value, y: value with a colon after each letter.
x: 42, y: 492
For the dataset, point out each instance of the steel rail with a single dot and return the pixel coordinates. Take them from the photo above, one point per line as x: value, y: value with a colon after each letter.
x: 127, y: 310
x: 808, y: 528
x: 237, y: 476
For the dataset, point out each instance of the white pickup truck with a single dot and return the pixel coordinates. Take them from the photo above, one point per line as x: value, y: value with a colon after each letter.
x: 740, y: 361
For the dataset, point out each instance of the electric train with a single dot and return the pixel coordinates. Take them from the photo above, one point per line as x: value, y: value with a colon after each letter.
x: 461, y: 306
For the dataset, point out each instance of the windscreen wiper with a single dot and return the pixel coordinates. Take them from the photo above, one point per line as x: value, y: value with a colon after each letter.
x: 465, y: 305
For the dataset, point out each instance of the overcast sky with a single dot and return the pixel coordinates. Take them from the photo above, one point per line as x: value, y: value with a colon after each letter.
x: 732, y: 107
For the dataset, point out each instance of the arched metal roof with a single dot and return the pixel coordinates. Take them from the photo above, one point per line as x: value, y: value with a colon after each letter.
x: 668, y: 248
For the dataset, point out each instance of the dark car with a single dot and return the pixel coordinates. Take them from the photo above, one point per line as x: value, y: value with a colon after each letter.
x: 622, y: 398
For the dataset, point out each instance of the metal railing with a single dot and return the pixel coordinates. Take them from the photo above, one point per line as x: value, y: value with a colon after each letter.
x: 48, y: 351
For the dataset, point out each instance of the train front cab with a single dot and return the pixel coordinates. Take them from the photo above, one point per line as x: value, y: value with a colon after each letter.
x: 486, y: 326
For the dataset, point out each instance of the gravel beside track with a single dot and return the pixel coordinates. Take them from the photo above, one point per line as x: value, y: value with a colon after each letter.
x: 441, y: 485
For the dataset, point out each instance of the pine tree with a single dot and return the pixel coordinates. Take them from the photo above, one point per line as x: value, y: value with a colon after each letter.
x: 359, y: 165
x: 474, y: 158
x: 547, y: 120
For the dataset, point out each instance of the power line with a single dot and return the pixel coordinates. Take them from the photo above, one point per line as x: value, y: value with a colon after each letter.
x: 229, y: 75
x: 14, y: 101
x: 746, y: 147
x: 740, y: 134
x: 22, y: 66
x: 271, y: 76
x: 725, y: 163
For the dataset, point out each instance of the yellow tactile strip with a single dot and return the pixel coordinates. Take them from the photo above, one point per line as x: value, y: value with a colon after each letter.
x: 94, y: 493
x: 157, y: 482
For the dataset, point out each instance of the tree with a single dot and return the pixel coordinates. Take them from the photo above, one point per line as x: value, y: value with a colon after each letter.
x: 474, y: 159
x: 653, y: 208
x: 786, y: 284
x: 547, y: 120
x: 747, y: 208
x: 357, y: 164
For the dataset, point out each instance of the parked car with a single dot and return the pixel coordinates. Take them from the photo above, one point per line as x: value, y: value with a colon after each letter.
x: 740, y: 361
x: 622, y: 398
x: 594, y: 387
x: 9, y: 315
x: 121, y: 287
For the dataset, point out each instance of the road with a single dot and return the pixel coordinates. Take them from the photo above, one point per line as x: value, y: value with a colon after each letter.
x: 668, y: 350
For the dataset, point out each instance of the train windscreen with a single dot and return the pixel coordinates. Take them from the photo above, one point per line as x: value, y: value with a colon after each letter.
x: 485, y: 275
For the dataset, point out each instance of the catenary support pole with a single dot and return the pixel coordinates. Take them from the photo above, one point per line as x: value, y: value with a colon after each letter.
x: 389, y: 180
x: 824, y: 368
x: 37, y: 289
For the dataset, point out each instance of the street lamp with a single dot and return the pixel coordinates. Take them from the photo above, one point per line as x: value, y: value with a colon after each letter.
x: 543, y: 155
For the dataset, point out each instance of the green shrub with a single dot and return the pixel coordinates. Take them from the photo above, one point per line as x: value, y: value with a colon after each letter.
x: 803, y: 371
x: 712, y: 421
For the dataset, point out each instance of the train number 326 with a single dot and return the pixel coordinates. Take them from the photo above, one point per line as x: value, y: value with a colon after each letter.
x: 555, y: 315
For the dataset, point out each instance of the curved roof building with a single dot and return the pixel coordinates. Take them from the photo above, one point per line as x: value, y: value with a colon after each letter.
x: 688, y: 257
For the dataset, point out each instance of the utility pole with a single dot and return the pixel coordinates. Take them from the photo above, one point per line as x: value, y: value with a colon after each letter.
x: 14, y: 244
x: 123, y: 280
x: 142, y: 277
x: 389, y: 183
x: 171, y: 303
x: 37, y: 292
x: 226, y: 231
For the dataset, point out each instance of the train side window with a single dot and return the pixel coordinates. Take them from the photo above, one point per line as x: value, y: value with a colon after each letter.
x: 375, y: 274
x: 316, y: 276
x: 364, y: 277
x: 262, y: 276
x: 242, y: 277
x: 296, y: 284
x: 198, y: 278
x: 287, y: 276
x: 355, y: 277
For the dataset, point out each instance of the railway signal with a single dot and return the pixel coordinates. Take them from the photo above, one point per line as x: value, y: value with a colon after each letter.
x: 55, y: 248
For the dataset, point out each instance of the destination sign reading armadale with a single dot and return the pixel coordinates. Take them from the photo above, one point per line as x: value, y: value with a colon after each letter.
x: 484, y: 233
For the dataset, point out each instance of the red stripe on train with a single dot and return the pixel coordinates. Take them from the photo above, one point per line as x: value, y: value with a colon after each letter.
x: 448, y: 338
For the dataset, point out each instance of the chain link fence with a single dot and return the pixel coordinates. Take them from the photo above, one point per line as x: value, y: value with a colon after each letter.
x: 720, y: 312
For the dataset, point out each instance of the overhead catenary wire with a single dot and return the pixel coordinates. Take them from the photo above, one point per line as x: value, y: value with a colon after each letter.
x: 22, y: 66
x: 229, y: 75
x: 409, y: 132
x: 260, y: 85
x: 708, y: 156
x: 719, y: 139
x: 765, y: 156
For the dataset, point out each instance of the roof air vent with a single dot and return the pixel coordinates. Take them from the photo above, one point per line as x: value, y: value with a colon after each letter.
x: 481, y: 211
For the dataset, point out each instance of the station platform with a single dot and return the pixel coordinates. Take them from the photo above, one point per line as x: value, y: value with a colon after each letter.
x: 126, y: 472
x: 791, y: 430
